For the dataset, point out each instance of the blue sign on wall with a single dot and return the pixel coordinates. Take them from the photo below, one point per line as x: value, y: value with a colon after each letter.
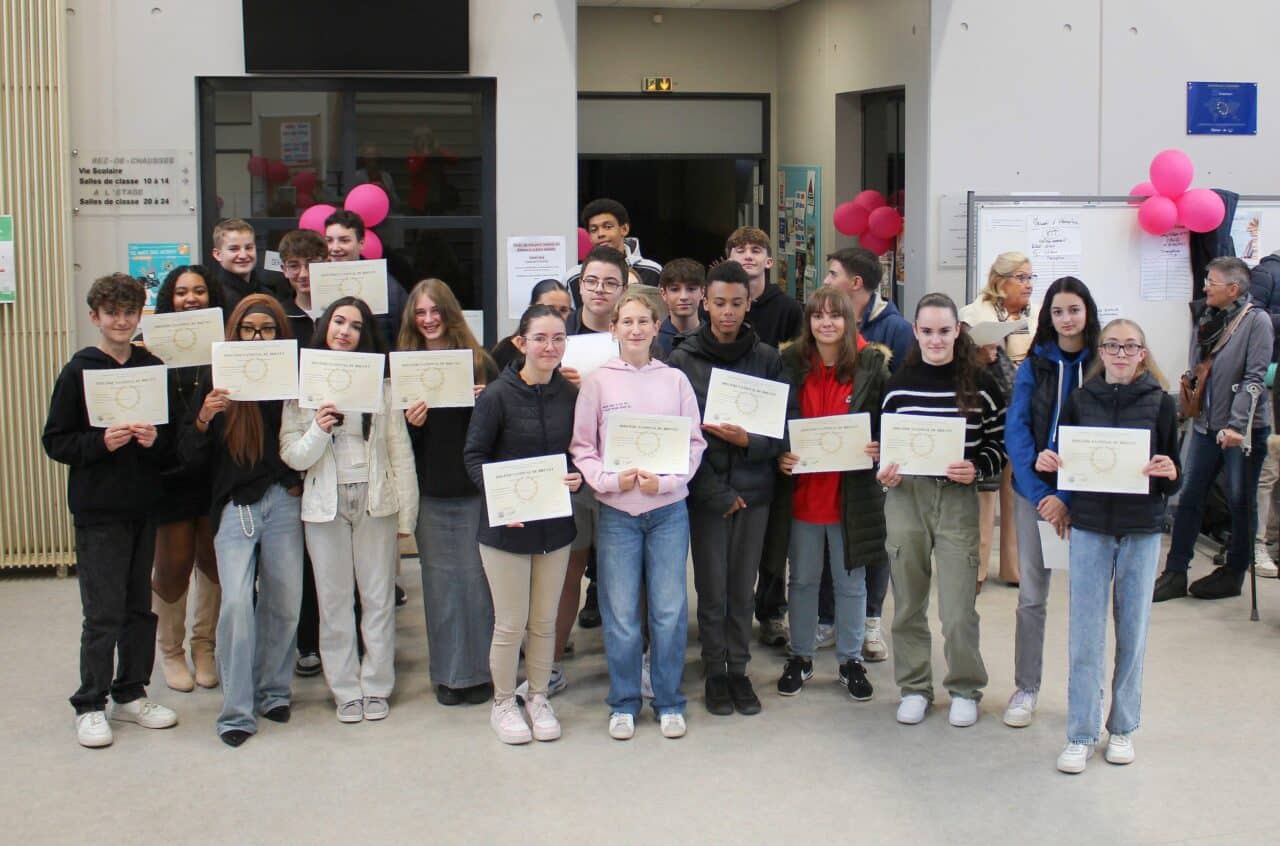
x: 1222, y: 108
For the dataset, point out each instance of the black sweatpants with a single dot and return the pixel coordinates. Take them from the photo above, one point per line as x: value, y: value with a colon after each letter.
x: 726, y: 560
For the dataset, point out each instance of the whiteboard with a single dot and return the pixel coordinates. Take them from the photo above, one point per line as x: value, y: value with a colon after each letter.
x: 1104, y: 233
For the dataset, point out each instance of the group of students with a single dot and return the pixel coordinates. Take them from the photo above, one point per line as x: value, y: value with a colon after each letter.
x: 256, y: 493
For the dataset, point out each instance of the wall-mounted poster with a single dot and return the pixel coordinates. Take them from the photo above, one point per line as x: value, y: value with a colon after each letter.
x: 151, y: 263
x: 798, y: 255
x: 8, y: 284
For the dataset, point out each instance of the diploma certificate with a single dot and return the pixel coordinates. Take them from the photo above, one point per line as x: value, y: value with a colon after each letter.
x: 127, y: 395
x: 256, y: 370
x: 440, y: 378
x: 656, y: 443
x: 1056, y: 551
x: 526, y: 489
x: 757, y: 405
x: 1103, y: 460
x: 831, y: 444
x: 585, y: 353
x: 350, y: 380
x: 921, y: 444
x: 366, y: 279
x: 183, y: 338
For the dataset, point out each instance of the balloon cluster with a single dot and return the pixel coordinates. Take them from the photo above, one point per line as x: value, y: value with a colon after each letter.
x: 368, y: 201
x: 869, y: 218
x: 1168, y: 201
x: 584, y: 243
x: 276, y: 172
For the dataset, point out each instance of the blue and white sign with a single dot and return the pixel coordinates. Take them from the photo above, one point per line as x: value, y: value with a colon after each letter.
x: 1222, y: 108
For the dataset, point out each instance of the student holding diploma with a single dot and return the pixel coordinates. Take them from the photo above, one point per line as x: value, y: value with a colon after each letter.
x: 361, y: 489
x: 257, y: 526
x: 1114, y: 537
x: 527, y: 412
x: 455, y: 595
x: 937, y: 516
x: 643, y: 534
x: 832, y: 372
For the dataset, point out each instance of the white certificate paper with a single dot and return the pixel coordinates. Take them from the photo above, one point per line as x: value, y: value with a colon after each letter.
x: 656, y: 443
x: 921, y: 444
x: 1103, y: 460
x: 127, y: 395
x: 1056, y: 551
x: 350, y: 380
x: 256, y: 370
x: 526, y: 489
x: 995, y: 331
x: 440, y: 378
x: 366, y: 279
x: 831, y: 444
x: 585, y: 353
x: 183, y: 338
x: 530, y: 259
x: 757, y: 405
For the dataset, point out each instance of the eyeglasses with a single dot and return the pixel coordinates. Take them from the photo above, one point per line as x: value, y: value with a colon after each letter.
x: 252, y: 333
x: 1024, y: 278
x: 593, y: 283
x: 1215, y: 283
x: 1112, y: 348
x: 546, y: 340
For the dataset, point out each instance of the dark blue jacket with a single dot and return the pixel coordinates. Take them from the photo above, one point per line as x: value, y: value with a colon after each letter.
x: 1040, y: 391
x: 886, y: 325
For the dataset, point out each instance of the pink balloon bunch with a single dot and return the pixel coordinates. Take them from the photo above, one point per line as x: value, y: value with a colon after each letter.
x: 869, y: 218
x: 1171, y: 201
x: 368, y: 201
x: 584, y: 243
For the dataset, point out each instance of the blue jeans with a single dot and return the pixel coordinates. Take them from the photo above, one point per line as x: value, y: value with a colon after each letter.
x: 1204, y: 459
x: 255, y: 643
x: 1097, y: 560
x: 805, y: 554
x: 642, y: 556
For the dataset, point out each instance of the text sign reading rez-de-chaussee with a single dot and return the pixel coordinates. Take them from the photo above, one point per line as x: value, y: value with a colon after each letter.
x: 133, y: 182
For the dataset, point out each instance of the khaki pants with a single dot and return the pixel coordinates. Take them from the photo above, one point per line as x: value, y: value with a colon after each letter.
x: 526, y: 595
x: 929, y: 517
x: 1267, y: 491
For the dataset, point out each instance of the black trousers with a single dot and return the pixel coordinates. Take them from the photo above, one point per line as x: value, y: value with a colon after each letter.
x: 113, y: 566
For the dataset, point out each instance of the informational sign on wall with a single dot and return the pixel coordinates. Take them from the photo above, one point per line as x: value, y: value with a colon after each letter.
x: 295, y: 142
x: 1222, y: 108
x: 151, y: 263
x: 8, y: 283
x: 799, y: 229
x: 530, y: 259
x: 157, y: 182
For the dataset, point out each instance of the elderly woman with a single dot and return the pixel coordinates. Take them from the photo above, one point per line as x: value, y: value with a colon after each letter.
x: 1006, y: 297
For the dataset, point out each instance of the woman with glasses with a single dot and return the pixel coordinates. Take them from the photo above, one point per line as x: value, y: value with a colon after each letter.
x: 1005, y: 298
x: 455, y: 595
x: 257, y: 525
x: 527, y: 412
x: 548, y: 292
x: 361, y: 494
x: 1115, y: 538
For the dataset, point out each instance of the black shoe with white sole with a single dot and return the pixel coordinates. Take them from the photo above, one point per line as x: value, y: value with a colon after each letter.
x: 795, y: 673
x: 854, y: 676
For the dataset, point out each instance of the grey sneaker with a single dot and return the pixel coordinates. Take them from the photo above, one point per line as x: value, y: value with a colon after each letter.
x: 773, y: 632
x: 826, y: 636
x: 376, y: 708
x: 351, y: 712
x: 558, y: 683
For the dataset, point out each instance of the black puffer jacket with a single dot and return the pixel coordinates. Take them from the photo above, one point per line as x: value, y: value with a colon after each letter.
x: 728, y: 472
x: 1142, y: 404
x: 513, y: 419
x: 861, y: 496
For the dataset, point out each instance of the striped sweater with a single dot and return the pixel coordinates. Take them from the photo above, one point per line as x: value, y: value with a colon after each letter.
x: 920, y: 388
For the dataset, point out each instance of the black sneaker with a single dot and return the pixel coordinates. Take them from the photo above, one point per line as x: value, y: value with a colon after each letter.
x: 234, y: 737
x: 479, y: 694
x: 402, y: 598
x: 743, y: 694
x: 719, y: 701
x: 589, y: 616
x: 795, y: 673
x: 279, y: 714
x: 1172, y: 584
x: 1220, y: 584
x: 854, y: 676
x: 446, y: 695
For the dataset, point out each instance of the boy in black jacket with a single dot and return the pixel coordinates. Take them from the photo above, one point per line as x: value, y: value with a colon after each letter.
x: 113, y: 485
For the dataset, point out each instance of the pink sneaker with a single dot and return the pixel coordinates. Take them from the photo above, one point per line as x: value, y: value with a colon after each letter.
x: 542, y: 718
x: 508, y: 723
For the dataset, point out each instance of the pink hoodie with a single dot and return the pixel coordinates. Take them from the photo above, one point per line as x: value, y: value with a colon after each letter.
x: 652, y: 389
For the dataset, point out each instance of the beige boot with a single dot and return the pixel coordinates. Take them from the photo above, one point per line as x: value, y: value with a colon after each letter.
x: 208, y: 601
x: 171, y: 630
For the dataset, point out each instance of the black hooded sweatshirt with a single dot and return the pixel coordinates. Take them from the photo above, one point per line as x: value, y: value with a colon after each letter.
x: 776, y: 316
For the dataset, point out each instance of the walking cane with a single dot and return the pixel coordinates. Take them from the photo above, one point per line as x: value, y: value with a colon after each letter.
x: 1246, y: 448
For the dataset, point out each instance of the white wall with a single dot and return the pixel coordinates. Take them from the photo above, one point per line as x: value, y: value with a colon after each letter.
x: 132, y: 76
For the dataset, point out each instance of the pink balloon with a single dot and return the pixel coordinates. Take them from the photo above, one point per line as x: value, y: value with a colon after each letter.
x: 372, y: 245
x: 305, y: 180
x: 1201, y: 210
x: 1157, y: 215
x: 304, y: 199
x: 313, y: 218
x: 257, y: 166
x: 885, y: 222
x: 1171, y: 172
x: 850, y: 218
x: 875, y: 243
x: 277, y: 172
x: 370, y: 202
x: 584, y: 243
x: 869, y: 200
x: 1141, y: 191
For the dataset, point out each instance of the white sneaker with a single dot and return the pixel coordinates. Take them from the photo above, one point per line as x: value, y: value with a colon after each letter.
x: 1074, y: 757
x: 542, y: 718
x: 144, y: 712
x: 508, y: 723
x: 1262, y: 563
x: 93, y: 730
x: 964, y: 712
x: 1119, y: 749
x: 673, y: 725
x: 558, y: 683
x: 646, y: 682
x: 912, y: 708
x: 1022, y: 707
x: 826, y: 636
x: 874, y: 648
x: 622, y: 726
